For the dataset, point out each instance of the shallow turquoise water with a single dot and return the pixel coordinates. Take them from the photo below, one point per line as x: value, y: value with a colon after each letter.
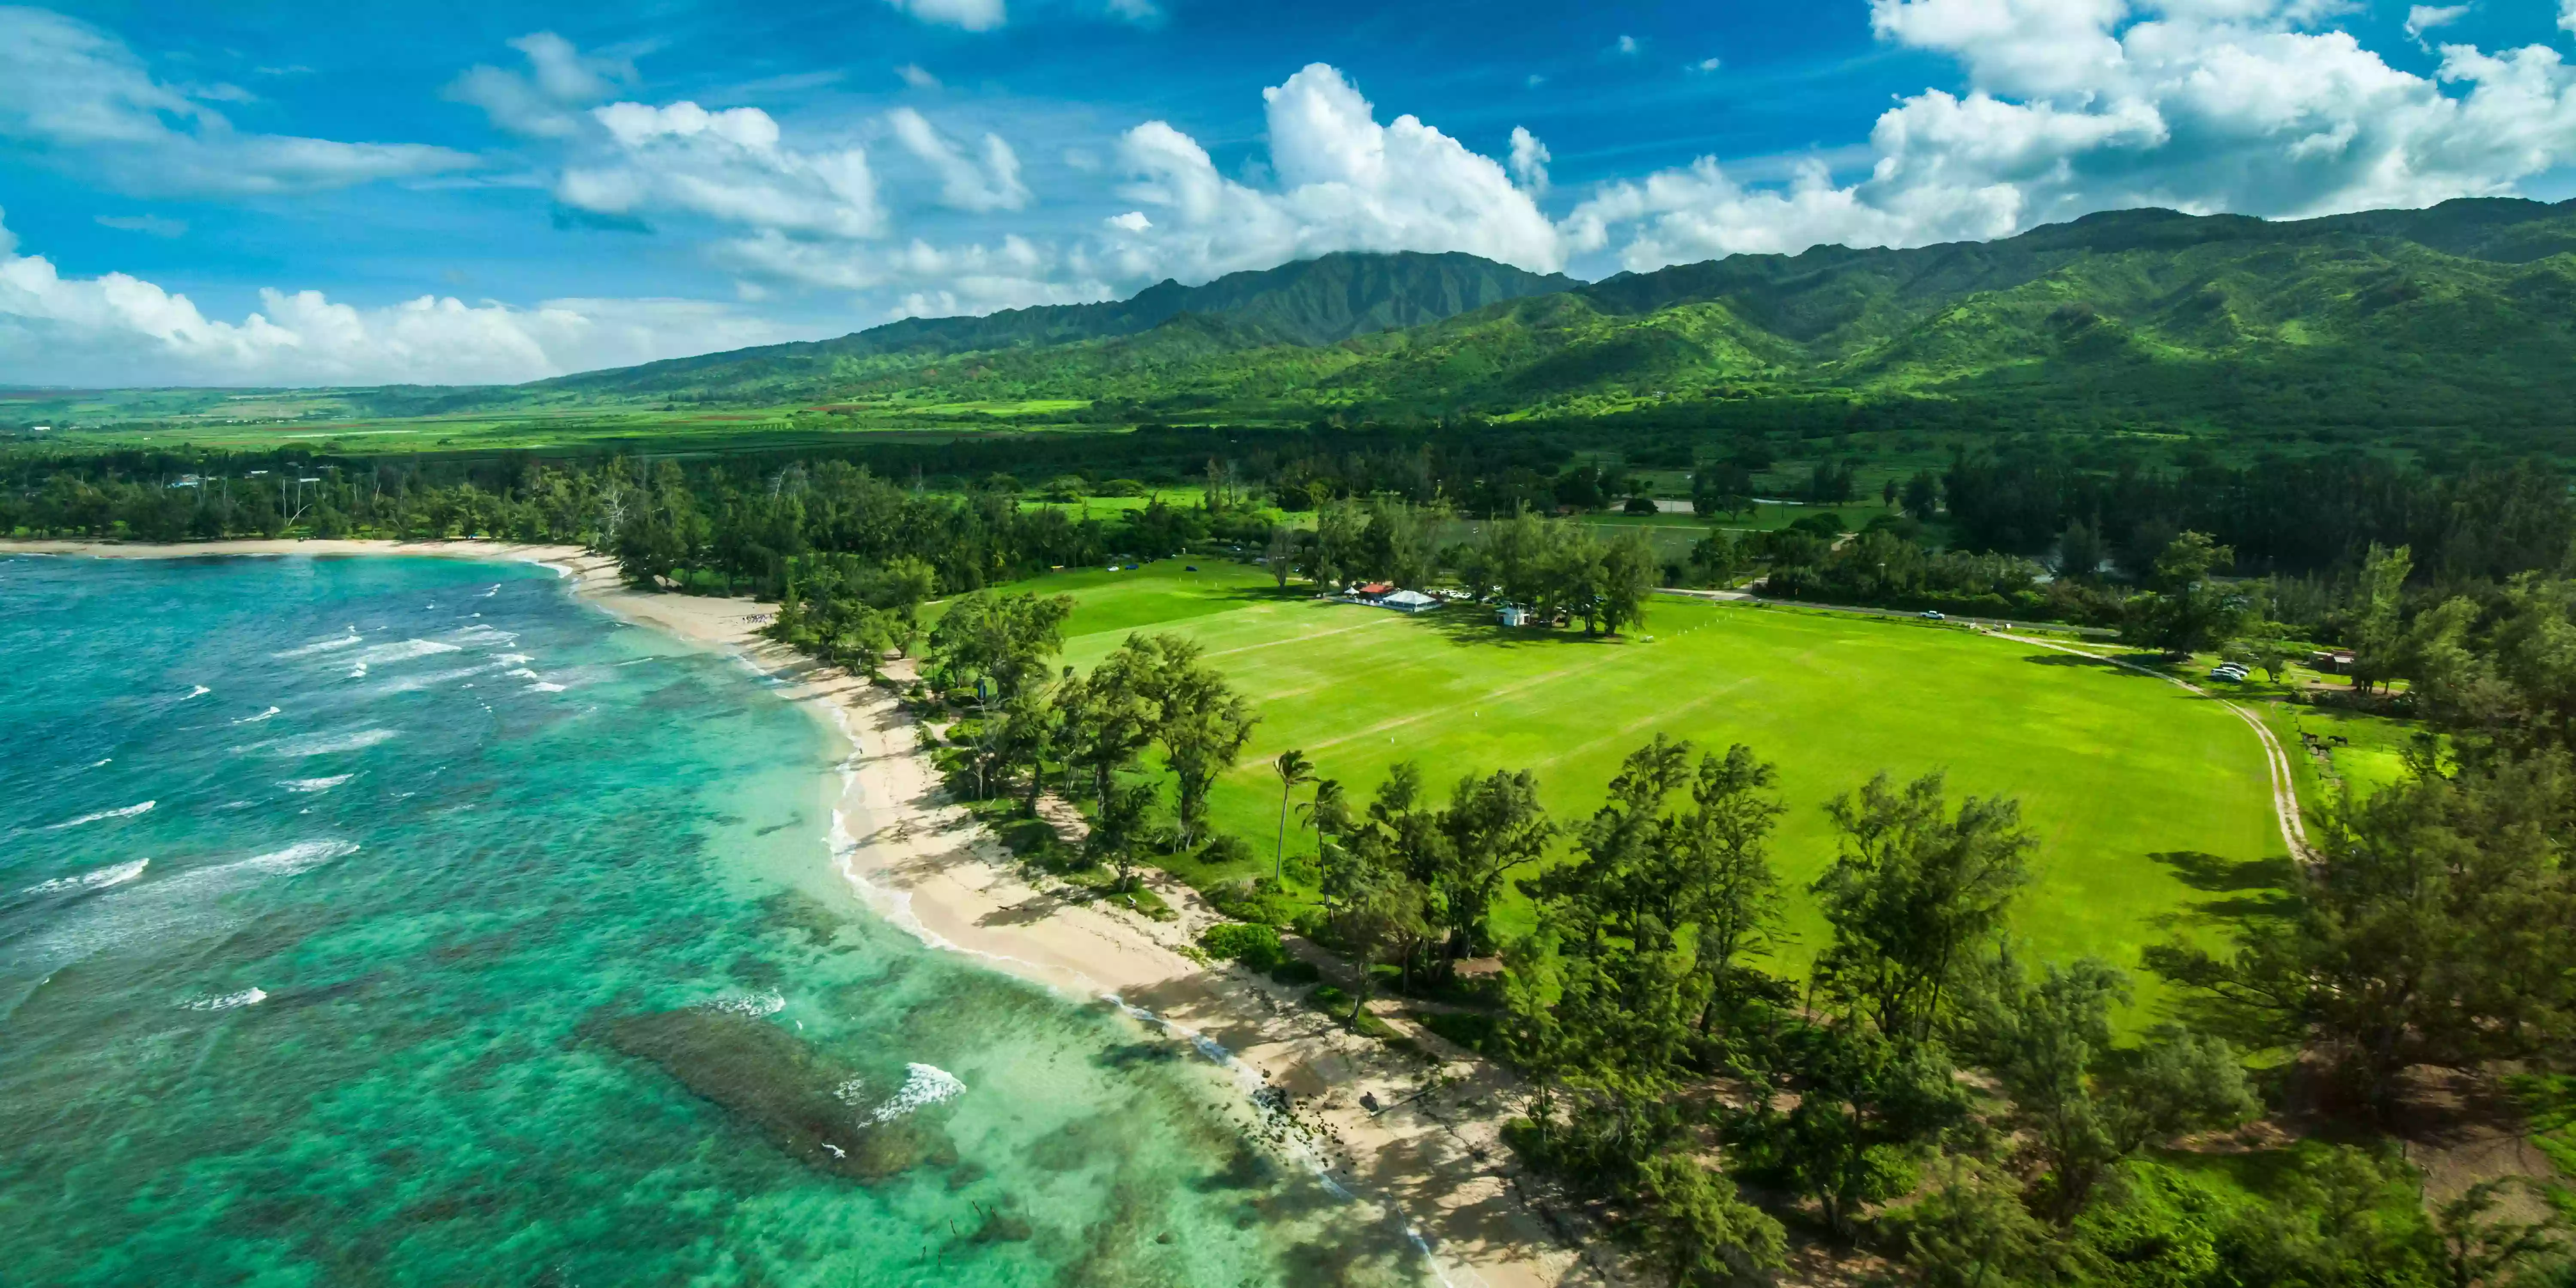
x: 471, y: 937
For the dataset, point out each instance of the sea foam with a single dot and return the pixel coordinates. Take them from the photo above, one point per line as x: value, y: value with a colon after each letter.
x: 769, y: 1003
x: 402, y: 652
x: 303, y: 856
x: 246, y: 997
x: 127, y: 812
x: 315, y: 784
x: 257, y: 718
x: 94, y: 879
x: 323, y: 645
x: 323, y: 744
x: 923, y: 1085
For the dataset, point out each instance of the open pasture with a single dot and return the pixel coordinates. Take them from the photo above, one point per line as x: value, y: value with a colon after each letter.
x: 2146, y: 800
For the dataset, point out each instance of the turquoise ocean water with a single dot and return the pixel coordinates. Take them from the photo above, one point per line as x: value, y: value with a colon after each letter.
x: 377, y: 921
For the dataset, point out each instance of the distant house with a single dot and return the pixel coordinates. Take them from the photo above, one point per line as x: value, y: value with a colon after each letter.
x: 2336, y: 661
x: 1409, y: 601
x: 1375, y: 590
x: 1513, y: 615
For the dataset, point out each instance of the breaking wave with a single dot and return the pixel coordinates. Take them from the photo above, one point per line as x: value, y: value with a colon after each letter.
x: 770, y: 1003
x: 246, y: 997
x: 94, y: 879
x: 324, y: 744
x: 923, y: 1085
x: 257, y: 718
x: 315, y: 784
x: 303, y: 856
x: 323, y: 645
x: 402, y: 652
x: 127, y: 812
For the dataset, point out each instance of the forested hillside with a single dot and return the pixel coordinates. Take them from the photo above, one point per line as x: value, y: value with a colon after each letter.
x: 1306, y: 303
x: 2460, y: 315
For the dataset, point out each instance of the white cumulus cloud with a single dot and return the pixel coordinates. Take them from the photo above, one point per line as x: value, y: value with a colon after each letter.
x: 2425, y: 17
x: 972, y: 15
x: 1529, y: 160
x: 116, y: 329
x: 728, y: 166
x: 543, y: 101
x: 966, y: 183
x: 2075, y: 106
x: 1345, y: 182
x: 82, y: 94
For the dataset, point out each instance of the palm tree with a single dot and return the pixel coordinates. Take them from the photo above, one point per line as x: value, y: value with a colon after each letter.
x: 1294, y: 771
x: 1328, y: 813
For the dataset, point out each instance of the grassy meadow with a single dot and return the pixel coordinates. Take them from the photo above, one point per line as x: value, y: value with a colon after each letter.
x: 2145, y: 799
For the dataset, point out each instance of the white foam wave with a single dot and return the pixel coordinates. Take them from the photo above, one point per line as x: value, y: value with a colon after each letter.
x: 323, y: 646
x: 197, y: 691
x: 324, y: 744
x: 923, y: 1085
x: 186, y: 903
x: 246, y: 997
x: 402, y: 652
x: 303, y: 856
x: 359, y: 673
x: 315, y: 784
x: 411, y: 683
x: 514, y: 659
x: 496, y: 589
x: 127, y: 812
x: 272, y: 711
x: 851, y: 1091
x: 755, y: 1004
x: 482, y: 636
x: 536, y: 683
x: 94, y: 879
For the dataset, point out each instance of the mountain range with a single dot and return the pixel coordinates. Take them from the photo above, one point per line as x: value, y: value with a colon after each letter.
x: 2463, y: 313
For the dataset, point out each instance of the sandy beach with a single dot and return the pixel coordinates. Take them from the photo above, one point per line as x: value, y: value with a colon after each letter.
x: 1431, y: 1157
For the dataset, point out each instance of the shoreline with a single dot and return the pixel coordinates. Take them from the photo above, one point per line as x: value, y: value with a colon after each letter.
x: 1432, y: 1158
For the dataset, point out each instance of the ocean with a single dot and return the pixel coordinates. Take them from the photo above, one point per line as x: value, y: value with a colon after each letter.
x: 408, y: 921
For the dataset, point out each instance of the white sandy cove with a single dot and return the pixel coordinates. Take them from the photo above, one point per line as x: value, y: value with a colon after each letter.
x: 1435, y: 1161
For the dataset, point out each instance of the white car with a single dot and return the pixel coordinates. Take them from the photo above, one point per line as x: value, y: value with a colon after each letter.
x: 1933, y: 615
x: 2230, y: 671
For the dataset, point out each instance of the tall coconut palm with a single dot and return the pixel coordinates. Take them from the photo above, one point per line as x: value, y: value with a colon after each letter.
x: 1294, y: 771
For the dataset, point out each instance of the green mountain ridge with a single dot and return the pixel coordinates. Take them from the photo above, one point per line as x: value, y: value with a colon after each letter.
x: 2462, y: 313
x: 1307, y: 303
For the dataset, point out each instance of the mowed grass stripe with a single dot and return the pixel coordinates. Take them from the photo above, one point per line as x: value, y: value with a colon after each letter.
x: 2112, y: 769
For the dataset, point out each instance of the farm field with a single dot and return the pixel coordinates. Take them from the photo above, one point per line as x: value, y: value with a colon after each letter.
x: 2134, y: 788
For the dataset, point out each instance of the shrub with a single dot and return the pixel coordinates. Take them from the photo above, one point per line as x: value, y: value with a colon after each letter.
x: 1465, y: 1028
x: 1224, y: 849
x: 1259, y: 899
x: 1256, y: 946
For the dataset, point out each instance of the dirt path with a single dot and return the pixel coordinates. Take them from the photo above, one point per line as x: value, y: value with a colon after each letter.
x: 2285, y: 791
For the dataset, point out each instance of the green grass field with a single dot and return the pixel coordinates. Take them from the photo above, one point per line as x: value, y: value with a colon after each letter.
x: 2143, y: 798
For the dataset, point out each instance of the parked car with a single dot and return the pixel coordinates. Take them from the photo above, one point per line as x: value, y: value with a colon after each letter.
x: 1933, y: 615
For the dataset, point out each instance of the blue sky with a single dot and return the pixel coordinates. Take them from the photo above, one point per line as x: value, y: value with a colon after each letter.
x: 274, y: 191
